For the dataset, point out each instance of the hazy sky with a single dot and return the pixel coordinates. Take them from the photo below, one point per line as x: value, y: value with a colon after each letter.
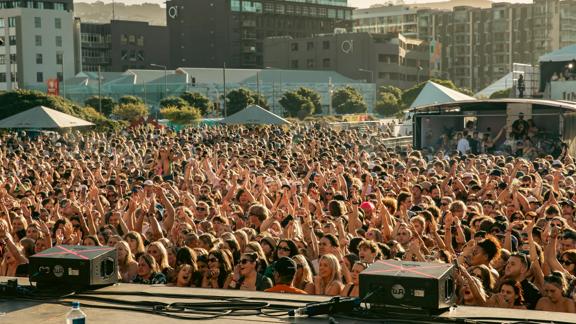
x: 354, y: 3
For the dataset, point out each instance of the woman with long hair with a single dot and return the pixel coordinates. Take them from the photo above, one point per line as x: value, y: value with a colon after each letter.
x: 510, y: 296
x: 184, y: 276
x: 246, y: 276
x: 127, y: 266
x: 136, y: 243
x: 352, y: 289
x: 219, y: 272
x: 158, y: 251
x: 303, y: 279
x: 148, y: 271
x: 328, y: 281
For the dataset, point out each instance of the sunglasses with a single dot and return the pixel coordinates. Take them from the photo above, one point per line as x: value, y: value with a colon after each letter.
x: 244, y: 261
x: 284, y: 248
x: 201, y: 209
x: 212, y: 260
x: 566, y: 262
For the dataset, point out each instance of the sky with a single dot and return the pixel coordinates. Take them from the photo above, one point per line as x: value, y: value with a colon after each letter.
x: 353, y: 3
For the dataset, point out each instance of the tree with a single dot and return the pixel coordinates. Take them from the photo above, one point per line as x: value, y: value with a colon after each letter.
x: 181, y: 115
x: 388, y: 104
x: 173, y: 102
x: 396, y: 92
x: 239, y: 99
x: 294, y: 103
x: 127, y: 99
x: 107, y: 104
x: 130, y: 112
x: 198, y: 100
x: 348, y: 101
x: 313, y: 96
x: 505, y: 93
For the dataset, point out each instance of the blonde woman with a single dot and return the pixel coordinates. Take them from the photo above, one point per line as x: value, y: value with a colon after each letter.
x: 158, y: 251
x: 127, y: 266
x: 328, y: 282
x: 303, y: 277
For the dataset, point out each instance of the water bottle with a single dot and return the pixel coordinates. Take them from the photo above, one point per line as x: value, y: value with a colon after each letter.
x: 75, y: 315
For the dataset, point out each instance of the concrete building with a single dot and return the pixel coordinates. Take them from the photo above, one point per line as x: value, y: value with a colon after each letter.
x: 121, y: 45
x: 37, y: 42
x: 211, y: 33
x: 477, y: 44
x: 389, y: 59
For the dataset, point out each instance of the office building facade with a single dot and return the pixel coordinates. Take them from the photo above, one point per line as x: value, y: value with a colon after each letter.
x: 211, y: 33
x: 477, y: 45
x: 37, y: 42
x: 384, y: 59
x: 122, y: 45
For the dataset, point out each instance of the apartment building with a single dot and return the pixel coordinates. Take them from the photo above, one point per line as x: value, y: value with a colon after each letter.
x: 37, y: 42
x: 384, y: 59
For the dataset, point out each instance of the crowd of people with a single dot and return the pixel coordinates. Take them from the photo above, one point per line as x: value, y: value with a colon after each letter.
x: 303, y: 209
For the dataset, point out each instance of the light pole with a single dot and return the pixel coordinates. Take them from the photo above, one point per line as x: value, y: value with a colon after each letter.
x: 165, y: 77
x: 224, y: 90
x: 375, y: 87
x: 99, y: 90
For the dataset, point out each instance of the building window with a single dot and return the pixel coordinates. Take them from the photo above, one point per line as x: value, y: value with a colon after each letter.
x: 2, y: 77
x: 2, y: 23
x: 381, y: 58
x: 37, y: 22
x: 140, y: 41
x: 58, y: 23
x: 131, y: 39
x: 59, y: 76
x: 294, y: 47
x: 38, y: 58
x: 2, y: 59
x: 12, y: 40
x: 38, y: 39
x: 59, y: 58
x: 309, y: 46
x: 310, y: 63
x: 326, y: 63
x: 39, y: 77
x: 124, y: 55
x: 59, y: 6
x: 326, y: 45
x: 123, y: 39
x: 11, y: 21
x: 12, y: 58
x: 294, y: 64
x: 58, y: 41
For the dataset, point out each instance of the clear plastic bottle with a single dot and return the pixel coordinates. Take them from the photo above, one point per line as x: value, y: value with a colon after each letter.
x: 75, y: 315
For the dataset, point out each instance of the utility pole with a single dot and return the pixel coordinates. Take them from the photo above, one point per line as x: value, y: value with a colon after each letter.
x: 99, y: 91
x: 224, y: 89
x: 329, y: 96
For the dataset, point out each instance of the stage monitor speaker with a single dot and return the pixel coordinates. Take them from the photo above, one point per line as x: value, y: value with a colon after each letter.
x: 74, y: 266
x: 408, y: 285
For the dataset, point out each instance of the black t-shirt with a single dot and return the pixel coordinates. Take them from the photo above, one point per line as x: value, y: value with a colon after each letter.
x: 531, y: 294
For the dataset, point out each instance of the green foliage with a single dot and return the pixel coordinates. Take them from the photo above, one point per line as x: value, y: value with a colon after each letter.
x: 181, y: 115
x: 394, y: 91
x: 102, y: 123
x: 313, y: 96
x: 239, y: 99
x: 348, y: 100
x: 198, y: 100
x: 296, y: 105
x: 130, y: 100
x: 501, y: 94
x: 466, y: 91
x: 173, y: 102
x: 130, y: 112
x: 108, y: 104
x: 388, y: 105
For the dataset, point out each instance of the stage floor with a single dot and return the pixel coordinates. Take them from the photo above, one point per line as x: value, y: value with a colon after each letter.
x: 29, y: 312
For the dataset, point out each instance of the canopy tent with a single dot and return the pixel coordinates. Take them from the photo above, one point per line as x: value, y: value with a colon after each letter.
x: 42, y: 117
x: 505, y: 82
x: 254, y: 114
x: 564, y: 54
x: 433, y: 93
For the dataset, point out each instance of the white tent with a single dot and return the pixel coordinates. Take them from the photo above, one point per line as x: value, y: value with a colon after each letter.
x: 433, y: 93
x: 564, y: 54
x: 505, y: 82
x: 42, y: 117
x: 254, y: 114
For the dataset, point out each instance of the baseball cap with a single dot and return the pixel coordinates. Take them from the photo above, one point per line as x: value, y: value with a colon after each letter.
x: 496, y: 173
x: 367, y: 205
x: 556, y: 163
x: 285, y: 266
x: 148, y: 183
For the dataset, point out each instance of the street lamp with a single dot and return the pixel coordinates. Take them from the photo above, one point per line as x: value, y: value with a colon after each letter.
x: 375, y: 87
x: 165, y: 77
